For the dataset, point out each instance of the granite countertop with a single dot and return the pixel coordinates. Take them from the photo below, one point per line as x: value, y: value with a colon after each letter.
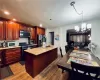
x: 39, y: 50
x: 2, y: 48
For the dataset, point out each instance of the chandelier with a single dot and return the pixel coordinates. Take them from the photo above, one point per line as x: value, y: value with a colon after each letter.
x: 84, y: 27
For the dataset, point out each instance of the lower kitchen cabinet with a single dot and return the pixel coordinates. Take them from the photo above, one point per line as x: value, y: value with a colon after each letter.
x: 12, y: 55
x: 0, y: 58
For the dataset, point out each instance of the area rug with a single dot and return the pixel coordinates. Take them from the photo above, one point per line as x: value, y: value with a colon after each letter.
x: 6, y: 72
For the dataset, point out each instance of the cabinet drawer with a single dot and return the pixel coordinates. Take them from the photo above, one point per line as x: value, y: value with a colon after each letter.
x: 12, y: 55
x: 0, y: 53
x: 16, y: 49
x: 11, y: 60
x: 13, y: 49
x: 8, y: 54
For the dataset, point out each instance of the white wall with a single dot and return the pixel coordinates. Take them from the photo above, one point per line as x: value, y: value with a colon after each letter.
x: 62, y: 33
x: 21, y: 40
x: 56, y: 31
x: 96, y: 35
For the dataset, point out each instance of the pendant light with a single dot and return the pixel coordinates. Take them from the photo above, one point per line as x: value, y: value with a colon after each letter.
x: 84, y: 26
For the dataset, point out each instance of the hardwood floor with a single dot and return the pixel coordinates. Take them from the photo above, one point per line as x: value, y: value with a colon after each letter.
x: 52, y: 72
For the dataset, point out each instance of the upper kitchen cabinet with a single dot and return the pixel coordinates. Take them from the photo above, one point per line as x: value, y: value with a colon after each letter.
x: 12, y: 30
x: 31, y: 30
x: 23, y: 27
x: 40, y: 31
x: 2, y: 34
x: 32, y: 34
x: 15, y: 31
x: 9, y: 30
x: 43, y: 31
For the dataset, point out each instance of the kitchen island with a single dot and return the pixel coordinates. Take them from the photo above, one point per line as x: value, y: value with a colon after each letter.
x: 37, y: 59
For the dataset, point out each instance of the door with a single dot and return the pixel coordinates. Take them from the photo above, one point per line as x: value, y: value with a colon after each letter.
x: 52, y: 38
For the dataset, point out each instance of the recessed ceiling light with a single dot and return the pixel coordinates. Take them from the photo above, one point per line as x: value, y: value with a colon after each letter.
x: 40, y: 25
x: 6, y: 12
x: 14, y: 19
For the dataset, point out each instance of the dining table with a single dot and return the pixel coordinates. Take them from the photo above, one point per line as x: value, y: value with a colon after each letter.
x: 79, y: 56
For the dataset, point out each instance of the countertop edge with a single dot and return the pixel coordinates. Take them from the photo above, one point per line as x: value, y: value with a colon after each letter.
x: 40, y: 53
x: 9, y: 47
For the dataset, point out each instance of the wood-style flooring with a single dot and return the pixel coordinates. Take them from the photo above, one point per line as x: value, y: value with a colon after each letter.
x: 52, y: 72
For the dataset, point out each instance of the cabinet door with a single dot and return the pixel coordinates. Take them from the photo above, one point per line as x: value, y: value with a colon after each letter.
x: 16, y: 31
x: 38, y: 30
x: 9, y: 30
x: 24, y: 28
x: 12, y: 55
x: 2, y: 36
x: 0, y: 58
x: 32, y: 34
x: 43, y: 31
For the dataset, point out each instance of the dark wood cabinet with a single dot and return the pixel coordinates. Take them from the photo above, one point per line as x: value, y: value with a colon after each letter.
x: 40, y: 31
x: 34, y: 64
x: 32, y: 33
x: 0, y: 63
x: 2, y: 34
x: 23, y: 27
x: 9, y: 30
x: 12, y: 30
x: 12, y: 55
x: 16, y: 31
x: 43, y: 31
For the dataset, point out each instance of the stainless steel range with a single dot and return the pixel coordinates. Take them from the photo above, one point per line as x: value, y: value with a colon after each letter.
x: 25, y: 46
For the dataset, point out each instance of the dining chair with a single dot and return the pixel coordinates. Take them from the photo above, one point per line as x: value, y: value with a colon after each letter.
x: 61, y: 56
x: 61, y: 52
x: 83, y: 72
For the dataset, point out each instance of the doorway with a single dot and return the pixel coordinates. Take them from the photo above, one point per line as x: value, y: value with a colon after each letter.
x: 51, y: 38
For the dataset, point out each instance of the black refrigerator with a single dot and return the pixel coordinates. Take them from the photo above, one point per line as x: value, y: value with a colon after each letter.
x: 39, y: 40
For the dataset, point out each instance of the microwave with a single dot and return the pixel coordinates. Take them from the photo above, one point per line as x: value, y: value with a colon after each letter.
x: 24, y: 34
x: 10, y: 44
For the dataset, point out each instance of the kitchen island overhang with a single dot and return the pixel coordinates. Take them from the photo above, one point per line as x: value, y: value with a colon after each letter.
x: 37, y: 59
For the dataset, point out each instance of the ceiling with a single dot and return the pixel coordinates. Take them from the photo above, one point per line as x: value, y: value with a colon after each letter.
x: 35, y: 12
